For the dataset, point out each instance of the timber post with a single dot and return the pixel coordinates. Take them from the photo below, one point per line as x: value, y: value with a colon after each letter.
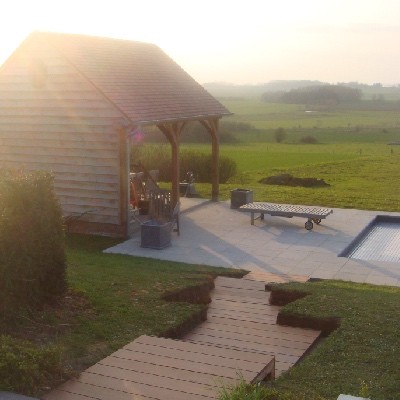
x: 212, y: 127
x: 173, y: 131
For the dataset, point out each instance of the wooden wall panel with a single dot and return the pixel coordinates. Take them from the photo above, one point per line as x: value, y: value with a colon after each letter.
x: 52, y: 118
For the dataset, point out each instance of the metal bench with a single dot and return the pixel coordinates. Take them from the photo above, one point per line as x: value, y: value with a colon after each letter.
x: 313, y: 214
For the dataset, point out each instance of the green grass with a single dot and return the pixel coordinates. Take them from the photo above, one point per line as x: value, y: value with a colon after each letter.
x: 352, y: 154
x: 125, y: 293
x: 362, y: 354
x: 359, y: 358
x: 113, y: 299
x: 293, y: 116
x: 360, y: 176
x: 120, y: 298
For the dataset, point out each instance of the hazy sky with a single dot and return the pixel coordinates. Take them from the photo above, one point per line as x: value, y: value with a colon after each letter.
x: 248, y: 41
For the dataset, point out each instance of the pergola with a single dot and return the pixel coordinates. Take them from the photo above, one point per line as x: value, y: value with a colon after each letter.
x: 173, y: 132
x: 72, y: 102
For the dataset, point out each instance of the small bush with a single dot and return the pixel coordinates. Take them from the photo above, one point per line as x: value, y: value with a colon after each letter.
x: 280, y: 135
x: 200, y: 165
x: 25, y: 368
x: 309, y: 139
x: 32, y: 258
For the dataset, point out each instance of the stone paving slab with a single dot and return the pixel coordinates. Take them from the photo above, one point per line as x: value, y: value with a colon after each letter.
x: 214, y: 234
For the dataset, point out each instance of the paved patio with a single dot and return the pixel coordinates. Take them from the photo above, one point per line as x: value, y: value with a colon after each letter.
x: 214, y: 234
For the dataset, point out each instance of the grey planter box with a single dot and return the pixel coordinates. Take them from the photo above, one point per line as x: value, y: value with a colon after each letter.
x: 240, y: 197
x: 156, y: 235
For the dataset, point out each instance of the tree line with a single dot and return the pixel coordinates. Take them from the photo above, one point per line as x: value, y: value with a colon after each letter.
x: 322, y: 95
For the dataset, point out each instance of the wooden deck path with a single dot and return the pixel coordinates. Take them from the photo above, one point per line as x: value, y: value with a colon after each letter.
x: 240, y: 317
x: 240, y: 339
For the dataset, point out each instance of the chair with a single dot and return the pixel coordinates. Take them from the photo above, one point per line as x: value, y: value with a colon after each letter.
x: 160, y: 208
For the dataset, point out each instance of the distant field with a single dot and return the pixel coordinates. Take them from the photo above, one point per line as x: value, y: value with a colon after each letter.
x: 293, y: 116
x: 268, y: 157
x: 352, y: 155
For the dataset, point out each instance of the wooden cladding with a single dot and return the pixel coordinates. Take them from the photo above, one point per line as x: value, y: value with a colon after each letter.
x: 67, y: 127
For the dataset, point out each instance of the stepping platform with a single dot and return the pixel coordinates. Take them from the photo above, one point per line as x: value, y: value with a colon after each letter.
x: 239, y: 340
x: 165, y: 369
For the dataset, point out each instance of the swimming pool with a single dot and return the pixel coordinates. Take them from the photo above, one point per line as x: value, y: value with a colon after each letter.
x: 379, y: 241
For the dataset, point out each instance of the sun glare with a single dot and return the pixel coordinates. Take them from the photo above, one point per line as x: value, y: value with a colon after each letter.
x: 229, y: 40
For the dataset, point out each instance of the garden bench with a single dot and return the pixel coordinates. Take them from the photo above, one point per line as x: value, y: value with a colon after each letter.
x: 313, y: 214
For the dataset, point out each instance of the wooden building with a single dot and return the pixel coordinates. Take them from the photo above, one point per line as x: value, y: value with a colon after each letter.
x: 69, y: 104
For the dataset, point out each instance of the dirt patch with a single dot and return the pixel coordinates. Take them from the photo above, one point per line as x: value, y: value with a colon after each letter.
x: 290, y: 180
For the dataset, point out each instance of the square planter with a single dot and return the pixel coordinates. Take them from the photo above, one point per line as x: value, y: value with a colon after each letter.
x: 156, y: 235
x: 240, y: 197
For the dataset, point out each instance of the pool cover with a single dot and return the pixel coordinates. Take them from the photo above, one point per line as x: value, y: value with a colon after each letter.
x: 380, y: 241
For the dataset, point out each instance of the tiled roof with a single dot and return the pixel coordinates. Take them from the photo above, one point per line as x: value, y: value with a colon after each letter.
x: 139, y: 78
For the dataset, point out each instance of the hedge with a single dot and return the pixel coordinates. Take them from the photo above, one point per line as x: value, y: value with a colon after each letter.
x: 25, y: 367
x: 32, y: 257
x: 159, y: 158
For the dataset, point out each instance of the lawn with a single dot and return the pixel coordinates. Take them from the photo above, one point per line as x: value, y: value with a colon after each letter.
x: 112, y: 300
x: 359, y: 357
x: 351, y: 154
x: 265, y: 115
x: 362, y: 353
x: 360, y: 176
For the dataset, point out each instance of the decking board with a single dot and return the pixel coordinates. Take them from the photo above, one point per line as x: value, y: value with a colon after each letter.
x: 258, y: 337
x: 258, y: 328
x: 204, y: 372
x: 241, y: 317
x: 239, y: 340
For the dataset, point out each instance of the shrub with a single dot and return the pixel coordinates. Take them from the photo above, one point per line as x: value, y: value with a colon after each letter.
x: 280, y: 135
x: 32, y: 258
x: 153, y: 157
x: 159, y: 157
x: 227, y: 169
x: 25, y: 368
x: 309, y: 139
x: 200, y: 164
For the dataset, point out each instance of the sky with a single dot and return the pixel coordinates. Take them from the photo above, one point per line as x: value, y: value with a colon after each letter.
x: 241, y: 42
